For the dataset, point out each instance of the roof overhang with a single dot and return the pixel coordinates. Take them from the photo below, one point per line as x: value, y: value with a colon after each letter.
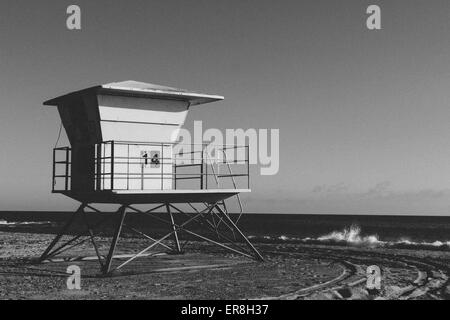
x: 142, y: 90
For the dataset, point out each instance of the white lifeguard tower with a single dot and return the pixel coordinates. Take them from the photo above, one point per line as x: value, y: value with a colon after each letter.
x: 124, y: 151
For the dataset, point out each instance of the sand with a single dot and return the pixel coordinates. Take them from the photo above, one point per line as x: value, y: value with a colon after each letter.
x: 290, y: 272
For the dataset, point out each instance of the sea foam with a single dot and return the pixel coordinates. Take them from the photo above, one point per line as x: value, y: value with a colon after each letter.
x: 353, y: 236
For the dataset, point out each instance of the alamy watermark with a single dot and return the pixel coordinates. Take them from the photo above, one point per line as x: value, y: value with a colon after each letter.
x: 373, y: 282
x: 260, y: 146
x: 73, y: 21
x: 74, y: 280
x: 374, y: 20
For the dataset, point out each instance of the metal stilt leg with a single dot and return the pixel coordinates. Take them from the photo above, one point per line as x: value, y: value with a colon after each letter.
x: 63, y: 231
x: 249, y: 244
x: 201, y: 218
x: 107, y: 266
x: 174, y: 228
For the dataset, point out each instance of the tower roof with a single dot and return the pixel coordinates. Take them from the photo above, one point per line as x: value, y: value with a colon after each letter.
x: 142, y: 89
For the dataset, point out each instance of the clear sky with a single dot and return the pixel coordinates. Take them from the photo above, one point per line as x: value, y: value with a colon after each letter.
x: 363, y: 115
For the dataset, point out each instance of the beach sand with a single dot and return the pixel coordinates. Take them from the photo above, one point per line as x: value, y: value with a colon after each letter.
x: 291, y: 271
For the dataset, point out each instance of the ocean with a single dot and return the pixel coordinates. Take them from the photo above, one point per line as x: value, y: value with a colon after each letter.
x: 364, y: 230
x: 415, y: 232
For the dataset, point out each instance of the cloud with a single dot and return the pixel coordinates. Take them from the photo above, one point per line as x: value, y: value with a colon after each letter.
x: 341, y: 198
x: 331, y: 189
x: 381, y: 189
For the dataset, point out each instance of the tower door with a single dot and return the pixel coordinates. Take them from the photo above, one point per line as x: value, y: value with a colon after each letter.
x: 83, y: 168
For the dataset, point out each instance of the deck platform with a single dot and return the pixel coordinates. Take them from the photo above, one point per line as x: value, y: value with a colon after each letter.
x: 155, y: 196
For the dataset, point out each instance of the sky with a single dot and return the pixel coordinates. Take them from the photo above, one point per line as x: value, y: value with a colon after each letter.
x: 363, y: 115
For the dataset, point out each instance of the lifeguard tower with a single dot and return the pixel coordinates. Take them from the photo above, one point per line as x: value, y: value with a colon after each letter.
x: 124, y: 151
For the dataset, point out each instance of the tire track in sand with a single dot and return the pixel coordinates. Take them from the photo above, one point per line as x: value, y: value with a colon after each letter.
x: 431, y: 281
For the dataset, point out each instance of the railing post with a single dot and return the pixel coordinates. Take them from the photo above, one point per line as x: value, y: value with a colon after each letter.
x: 103, y: 146
x: 98, y: 165
x: 201, y: 170
x: 175, y: 174
x: 218, y: 167
x: 162, y: 166
x: 128, y: 167
x: 67, y: 170
x: 54, y: 171
x: 248, y: 166
x: 206, y: 170
x: 112, y: 165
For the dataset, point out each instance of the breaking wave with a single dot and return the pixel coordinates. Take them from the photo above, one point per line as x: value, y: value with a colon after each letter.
x: 353, y: 236
x: 23, y: 223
